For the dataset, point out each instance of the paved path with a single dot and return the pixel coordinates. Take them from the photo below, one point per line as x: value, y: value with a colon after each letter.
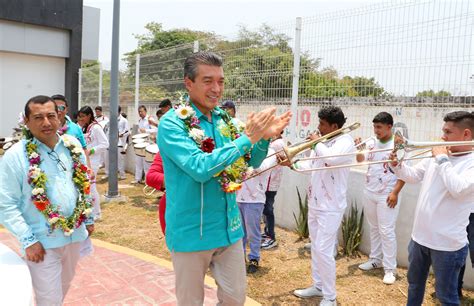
x: 121, y: 276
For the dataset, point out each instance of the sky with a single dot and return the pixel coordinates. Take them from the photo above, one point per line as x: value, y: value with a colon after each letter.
x: 222, y: 17
x: 407, y: 46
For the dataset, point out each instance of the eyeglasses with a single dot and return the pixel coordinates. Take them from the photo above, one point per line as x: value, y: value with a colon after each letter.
x: 55, y: 157
x: 61, y: 108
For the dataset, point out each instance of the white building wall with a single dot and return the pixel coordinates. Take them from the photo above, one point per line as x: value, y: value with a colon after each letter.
x: 23, y: 76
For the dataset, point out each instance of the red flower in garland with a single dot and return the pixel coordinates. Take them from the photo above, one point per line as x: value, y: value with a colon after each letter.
x: 41, y: 205
x: 208, y: 145
x: 84, y: 168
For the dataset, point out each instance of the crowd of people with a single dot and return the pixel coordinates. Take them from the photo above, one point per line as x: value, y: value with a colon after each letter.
x: 230, y: 172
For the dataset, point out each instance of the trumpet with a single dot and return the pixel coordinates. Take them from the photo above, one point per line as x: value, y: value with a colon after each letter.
x: 148, y: 190
x: 401, y: 149
x: 291, y: 151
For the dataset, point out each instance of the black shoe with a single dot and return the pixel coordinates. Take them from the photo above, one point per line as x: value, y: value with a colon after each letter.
x: 252, y: 267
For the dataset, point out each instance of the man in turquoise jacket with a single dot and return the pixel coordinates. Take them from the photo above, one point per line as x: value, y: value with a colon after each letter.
x: 198, y: 142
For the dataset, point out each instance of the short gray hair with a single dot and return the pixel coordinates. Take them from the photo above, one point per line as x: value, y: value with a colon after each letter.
x: 200, y: 58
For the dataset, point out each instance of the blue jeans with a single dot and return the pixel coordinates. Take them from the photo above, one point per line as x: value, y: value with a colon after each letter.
x: 251, y: 214
x: 470, y: 237
x: 268, y: 213
x: 446, y: 267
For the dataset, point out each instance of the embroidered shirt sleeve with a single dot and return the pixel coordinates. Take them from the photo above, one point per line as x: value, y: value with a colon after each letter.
x: 11, y: 214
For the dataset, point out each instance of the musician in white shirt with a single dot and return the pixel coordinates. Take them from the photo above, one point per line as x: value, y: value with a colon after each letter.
x: 327, y: 202
x: 144, y: 126
x: 251, y: 200
x: 123, y: 131
x: 103, y: 121
x: 442, y: 213
x: 272, y: 186
x: 97, y: 143
x: 381, y: 204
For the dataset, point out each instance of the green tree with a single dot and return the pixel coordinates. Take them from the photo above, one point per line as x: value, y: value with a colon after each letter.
x: 432, y: 93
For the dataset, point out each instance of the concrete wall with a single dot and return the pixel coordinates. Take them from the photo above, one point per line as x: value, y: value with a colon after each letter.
x: 286, y: 204
x: 65, y: 15
x: 23, y: 76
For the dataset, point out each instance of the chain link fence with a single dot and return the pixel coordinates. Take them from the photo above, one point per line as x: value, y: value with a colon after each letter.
x: 413, y: 59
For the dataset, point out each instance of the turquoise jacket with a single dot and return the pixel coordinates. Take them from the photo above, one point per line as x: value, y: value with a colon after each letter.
x: 199, y: 214
x: 76, y: 131
x: 18, y: 214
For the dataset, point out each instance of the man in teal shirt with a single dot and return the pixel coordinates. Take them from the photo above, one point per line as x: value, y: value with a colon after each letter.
x: 204, y: 228
x: 50, y: 252
x: 67, y: 126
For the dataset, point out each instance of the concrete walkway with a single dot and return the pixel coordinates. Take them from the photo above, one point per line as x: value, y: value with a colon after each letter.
x: 121, y: 276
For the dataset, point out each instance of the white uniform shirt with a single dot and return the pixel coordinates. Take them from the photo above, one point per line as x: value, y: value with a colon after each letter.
x: 123, y: 130
x: 143, y: 123
x: 275, y: 175
x: 102, y: 121
x: 97, y: 140
x: 253, y: 190
x: 445, y: 201
x: 329, y: 187
x: 380, y: 178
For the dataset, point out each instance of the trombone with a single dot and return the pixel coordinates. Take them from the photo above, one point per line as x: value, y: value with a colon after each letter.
x: 400, y: 150
x: 291, y: 151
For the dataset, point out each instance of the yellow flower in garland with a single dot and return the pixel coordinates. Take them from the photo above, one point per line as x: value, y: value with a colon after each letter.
x: 224, y: 129
x: 233, y: 187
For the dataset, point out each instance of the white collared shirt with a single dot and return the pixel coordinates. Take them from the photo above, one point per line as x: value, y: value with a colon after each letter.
x: 445, y: 201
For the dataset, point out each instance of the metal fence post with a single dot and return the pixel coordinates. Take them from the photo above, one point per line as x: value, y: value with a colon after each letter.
x: 79, y: 92
x: 100, y: 85
x: 196, y: 46
x: 296, y: 77
x: 137, y: 82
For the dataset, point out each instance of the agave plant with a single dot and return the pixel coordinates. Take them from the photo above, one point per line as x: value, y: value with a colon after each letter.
x: 302, y: 220
x: 352, y: 230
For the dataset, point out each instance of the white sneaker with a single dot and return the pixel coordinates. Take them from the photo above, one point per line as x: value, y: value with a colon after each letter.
x: 308, y: 292
x: 134, y: 182
x: 325, y: 302
x: 389, y: 278
x: 370, y: 265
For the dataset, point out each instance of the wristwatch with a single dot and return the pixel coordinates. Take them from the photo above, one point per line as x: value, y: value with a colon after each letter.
x: 440, y: 159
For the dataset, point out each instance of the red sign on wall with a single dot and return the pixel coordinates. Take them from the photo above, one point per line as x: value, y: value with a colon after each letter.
x: 305, y: 117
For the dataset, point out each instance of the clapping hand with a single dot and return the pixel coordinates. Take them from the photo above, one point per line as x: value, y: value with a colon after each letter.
x: 265, y: 124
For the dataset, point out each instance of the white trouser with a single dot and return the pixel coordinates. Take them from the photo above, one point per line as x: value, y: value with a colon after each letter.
x: 141, y: 166
x: 121, y: 163
x: 382, y: 221
x: 323, y: 227
x: 94, y: 193
x: 52, y: 277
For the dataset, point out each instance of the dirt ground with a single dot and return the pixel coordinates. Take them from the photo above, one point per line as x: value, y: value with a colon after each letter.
x: 134, y: 224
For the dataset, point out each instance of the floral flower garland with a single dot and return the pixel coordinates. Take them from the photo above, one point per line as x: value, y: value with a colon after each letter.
x: 37, y: 180
x: 232, y: 176
x: 62, y: 130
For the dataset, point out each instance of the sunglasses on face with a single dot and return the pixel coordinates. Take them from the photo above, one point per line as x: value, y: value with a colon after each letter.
x: 61, y: 108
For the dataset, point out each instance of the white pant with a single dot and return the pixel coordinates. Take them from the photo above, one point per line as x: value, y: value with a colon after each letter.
x: 120, y: 161
x: 382, y: 221
x: 140, y: 166
x: 95, y: 193
x: 323, y: 227
x: 52, y: 277
x: 228, y: 269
